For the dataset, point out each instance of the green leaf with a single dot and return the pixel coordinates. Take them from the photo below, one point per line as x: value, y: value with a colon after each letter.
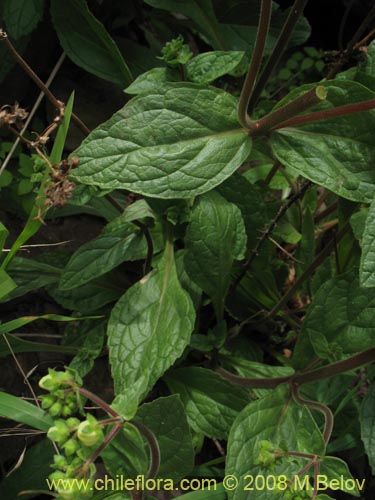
x: 337, y: 153
x: 126, y: 456
x: 336, y: 472
x: 30, y: 275
x: 218, y: 493
x: 306, y: 249
x: 4, y: 233
x: 201, y: 12
x: 23, y: 412
x: 211, y: 402
x: 117, y: 243
x: 87, y: 43
x: 21, y: 345
x: 152, y: 80
x: 207, y: 67
x: 6, y: 284
x: 149, y: 327
x: 252, y: 200
x: 33, y: 472
x: 62, y: 132
x: 367, y: 266
x: 367, y: 421
x: 167, y: 420
x: 91, y: 338
x: 33, y: 223
x: 284, y: 424
x: 178, y: 142
x: 25, y: 320
x: 215, y: 238
x: 22, y: 16
x: 339, y: 321
x: 87, y: 298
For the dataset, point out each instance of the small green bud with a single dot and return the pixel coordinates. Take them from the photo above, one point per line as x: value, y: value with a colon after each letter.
x: 175, y: 52
x: 67, y: 411
x: 89, y: 432
x: 60, y: 462
x: 56, y: 409
x: 59, y: 432
x: 56, y: 475
x: 73, y: 423
x: 70, y: 447
x: 47, y: 401
x: 48, y: 383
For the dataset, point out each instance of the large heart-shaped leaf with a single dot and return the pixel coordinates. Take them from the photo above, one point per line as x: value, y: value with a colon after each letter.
x: 337, y: 153
x: 177, y: 142
x: 149, y: 328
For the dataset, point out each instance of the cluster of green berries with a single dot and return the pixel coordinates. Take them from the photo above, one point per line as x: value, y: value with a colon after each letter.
x: 59, y: 402
x: 267, y: 454
x: 76, y: 438
x: 176, y: 52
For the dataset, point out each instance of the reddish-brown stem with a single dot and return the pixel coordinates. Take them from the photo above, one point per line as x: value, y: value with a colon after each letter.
x: 272, y: 172
x: 99, y: 401
x: 255, y: 252
x: 109, y: 437
x: 247, y: 88
x: 58, y: 104
x: 314, y: 405
x: 288, y: 111
x: 298, y: 454
x: 304, y: 377
x: 278, y: 50
x: 154, y: 449
x: 327, y: 113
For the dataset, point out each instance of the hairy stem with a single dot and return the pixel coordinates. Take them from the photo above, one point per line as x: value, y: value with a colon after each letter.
x: 247, y: 89
x: 278, y: 50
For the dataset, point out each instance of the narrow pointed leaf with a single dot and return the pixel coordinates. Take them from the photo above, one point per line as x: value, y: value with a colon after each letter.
x: 215, y: 237
x: 87, y: 42
x: 149, y: 327
x: 177, y: 142
x: 102, y: 254
x: 23, y: 412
